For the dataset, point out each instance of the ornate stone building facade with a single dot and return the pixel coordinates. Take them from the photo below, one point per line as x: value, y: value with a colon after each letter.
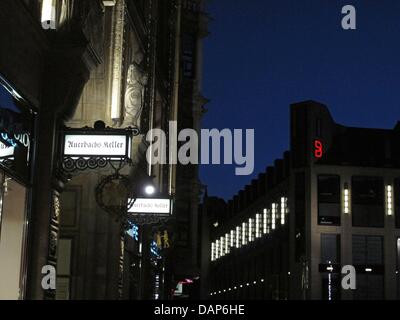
x: 150, y: 75
x: 47, y: 69
x: 127, y: 63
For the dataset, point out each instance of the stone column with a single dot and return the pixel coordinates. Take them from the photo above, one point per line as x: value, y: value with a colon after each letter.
x: 67, y: 70
x: 42, y: 206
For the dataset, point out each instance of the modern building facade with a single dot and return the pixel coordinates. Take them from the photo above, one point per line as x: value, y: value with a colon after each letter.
x: 331, y: 201
x: 68, y: 65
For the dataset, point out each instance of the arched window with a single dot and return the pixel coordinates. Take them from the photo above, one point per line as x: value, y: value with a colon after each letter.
x: 55, y: 13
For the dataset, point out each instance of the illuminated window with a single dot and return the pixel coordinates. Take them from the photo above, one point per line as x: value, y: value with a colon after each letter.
x: 265, y: 222
x: 258, y: 225
x: 222, y: 246
x: 217, y: 251
x: 227, y: 241
x: 283, y: 209
x: 244, y: 229
x: 251, y: 230
x: 237, y: 237
x: 389, y: 200
x: 274, y: 211
x: 213, y: 251
x: 48, y: 13
x: 232, y: 244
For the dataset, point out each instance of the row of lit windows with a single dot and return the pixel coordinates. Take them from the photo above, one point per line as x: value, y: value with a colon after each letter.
x: 254, y: 228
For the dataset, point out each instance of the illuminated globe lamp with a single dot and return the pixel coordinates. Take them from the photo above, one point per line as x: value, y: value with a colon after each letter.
x: 116, y: 194
x: 149, y: 190
x: 144, y: 186
x: 148, y: 195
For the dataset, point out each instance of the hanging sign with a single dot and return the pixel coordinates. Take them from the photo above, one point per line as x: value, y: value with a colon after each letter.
x: 93, y: 144
x: 151, y: 206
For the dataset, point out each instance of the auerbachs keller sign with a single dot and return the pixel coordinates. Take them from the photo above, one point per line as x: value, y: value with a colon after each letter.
x: 88, y: 144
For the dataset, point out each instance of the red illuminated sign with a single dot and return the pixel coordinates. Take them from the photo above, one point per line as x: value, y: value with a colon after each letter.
x: 318, y: 149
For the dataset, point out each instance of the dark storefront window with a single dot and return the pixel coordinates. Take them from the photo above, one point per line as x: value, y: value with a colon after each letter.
x: 368, y: 202
x: 329, y: 208
x: 330, y: 248
x: 330, y: 266
x: 13, y: 215
x: 368, y: 261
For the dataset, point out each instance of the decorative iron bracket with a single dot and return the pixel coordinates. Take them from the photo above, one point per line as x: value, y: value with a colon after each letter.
x: 70, y: 165
x: 153, y: 219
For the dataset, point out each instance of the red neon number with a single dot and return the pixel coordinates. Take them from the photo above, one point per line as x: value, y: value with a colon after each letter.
x: 319, y: 149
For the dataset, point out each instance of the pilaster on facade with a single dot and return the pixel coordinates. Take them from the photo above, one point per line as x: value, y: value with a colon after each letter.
x: 117, y: 47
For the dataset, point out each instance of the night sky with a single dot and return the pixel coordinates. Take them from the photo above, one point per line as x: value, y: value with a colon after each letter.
x: 263, y: 55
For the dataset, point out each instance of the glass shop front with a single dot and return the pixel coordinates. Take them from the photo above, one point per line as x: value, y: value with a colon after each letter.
x: 16, y: 150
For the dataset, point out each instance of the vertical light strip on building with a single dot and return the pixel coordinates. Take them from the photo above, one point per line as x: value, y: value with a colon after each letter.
x: 237, y: 237
x: 274, y: 209
x: 232, y: 244
x: 389, y: 200
x: 251, y: 230
x: 283, y: 209
x: 217, y: 249
x: 222, y: 244
x: 346, y: 199
x: 227, y: 241
x: 266, y: 221
x: 258, y: 226
x: 244, y: 240
x: 212, y: 251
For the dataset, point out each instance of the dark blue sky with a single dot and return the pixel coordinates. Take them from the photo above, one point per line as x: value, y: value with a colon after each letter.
x: 263, y: 55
